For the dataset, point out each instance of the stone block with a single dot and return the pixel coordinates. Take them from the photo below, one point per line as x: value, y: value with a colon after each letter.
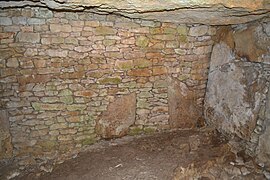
x: 182, y: 30
x: 86, y: 93
x: 67, y: 99
x: 124, y: 65
x: 28, y: 37
x: 110, y: 80
x: 142, y: 63
x: 164, y: 37
x: 143, y: 104
x: 5, y: 21
x: 70, y: 40
x: 43, y: 13
x: 134, y: 55
x: 65, y: 92
x: 150, y: 23
x: 47, y: 107
x: 71, y: 16
x: 198, y: 30
x: 12, y: 62
x: 40, y: 63
x: 159, y: 70
x: 35, y: 21
x: 74, y: 119
x: 140, y: 72
x: 60, y: 28
x: 92, y: 23
x: 57, y: 53
x: 168, y: 30
x: 161, y: 84
x: 142, y: 41
x: 19, y: 20
x: 76, y: 107
x: 120, y: 115
x: 103, y: 30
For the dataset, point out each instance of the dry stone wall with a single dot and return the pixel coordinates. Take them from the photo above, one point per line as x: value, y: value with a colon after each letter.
x: 70, y: 78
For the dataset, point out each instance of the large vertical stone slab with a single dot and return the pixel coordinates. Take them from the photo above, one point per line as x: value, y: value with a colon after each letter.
x: 263, y: 149
x: 5, y: 137
x: 120, y: 115
x: 234, y: 95
x: 183, y: 109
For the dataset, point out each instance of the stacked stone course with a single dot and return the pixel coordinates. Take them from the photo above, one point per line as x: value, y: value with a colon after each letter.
x: 61, y: 71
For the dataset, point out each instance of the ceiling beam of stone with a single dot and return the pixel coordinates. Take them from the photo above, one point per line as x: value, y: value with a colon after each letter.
x: 213, y: 12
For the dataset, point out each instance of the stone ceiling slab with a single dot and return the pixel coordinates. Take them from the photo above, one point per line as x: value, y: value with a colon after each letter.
x: 214, y: 12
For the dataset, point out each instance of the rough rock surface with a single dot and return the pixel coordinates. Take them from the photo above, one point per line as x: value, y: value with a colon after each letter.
x: 183, y: 109
x: 5, y: 137
x: 234, y: 93
x: 120, y: 115
x: 263, y: 149
x: 237, y: 96
x: 191, y: 11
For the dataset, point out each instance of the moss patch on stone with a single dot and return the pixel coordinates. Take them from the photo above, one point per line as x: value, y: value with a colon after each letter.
x: 110, y: 80
x: 36, y: 106
x: 48, y: 145
x: 103, y: 30
x: 142, y: 63
x: 142, y: 41
x: 149, y: 130
x: 135, y: 131
x: 65, y: 92
x: 88, y: 141
x: 182, y: 38
x: 66, y: 99
x: 124, y: 65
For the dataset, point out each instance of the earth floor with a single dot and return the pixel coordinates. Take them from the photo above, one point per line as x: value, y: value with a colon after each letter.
x: 185, y: 154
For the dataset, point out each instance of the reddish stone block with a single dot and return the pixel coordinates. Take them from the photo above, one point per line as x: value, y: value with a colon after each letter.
x: 74, y: 75
x: 84, y: 93
x: 6, y: 35
x: 140, y: 72
x: 39, y: 63
x: 159, y: 70
x: 152, y: 55
x: 73, y: 119
x: 33, y: 79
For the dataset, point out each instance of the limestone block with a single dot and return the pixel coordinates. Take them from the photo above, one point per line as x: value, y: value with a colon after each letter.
x: 5, y: 21
x: 28, y: 37
x: 198, y: 30
x: 35, y: 21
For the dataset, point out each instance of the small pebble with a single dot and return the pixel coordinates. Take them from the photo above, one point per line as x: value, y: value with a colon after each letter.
x: 245, y: 171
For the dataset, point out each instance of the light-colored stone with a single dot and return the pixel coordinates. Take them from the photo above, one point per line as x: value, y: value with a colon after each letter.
x: 198, y: 30
x: 12, y: 62
x: 57, y: 53
x: 233, y: 109
x: 35, y: 21
x: 5, y: 21
x: 28, y: 37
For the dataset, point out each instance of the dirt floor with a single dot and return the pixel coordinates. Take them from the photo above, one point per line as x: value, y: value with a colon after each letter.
x: 172, y: 155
